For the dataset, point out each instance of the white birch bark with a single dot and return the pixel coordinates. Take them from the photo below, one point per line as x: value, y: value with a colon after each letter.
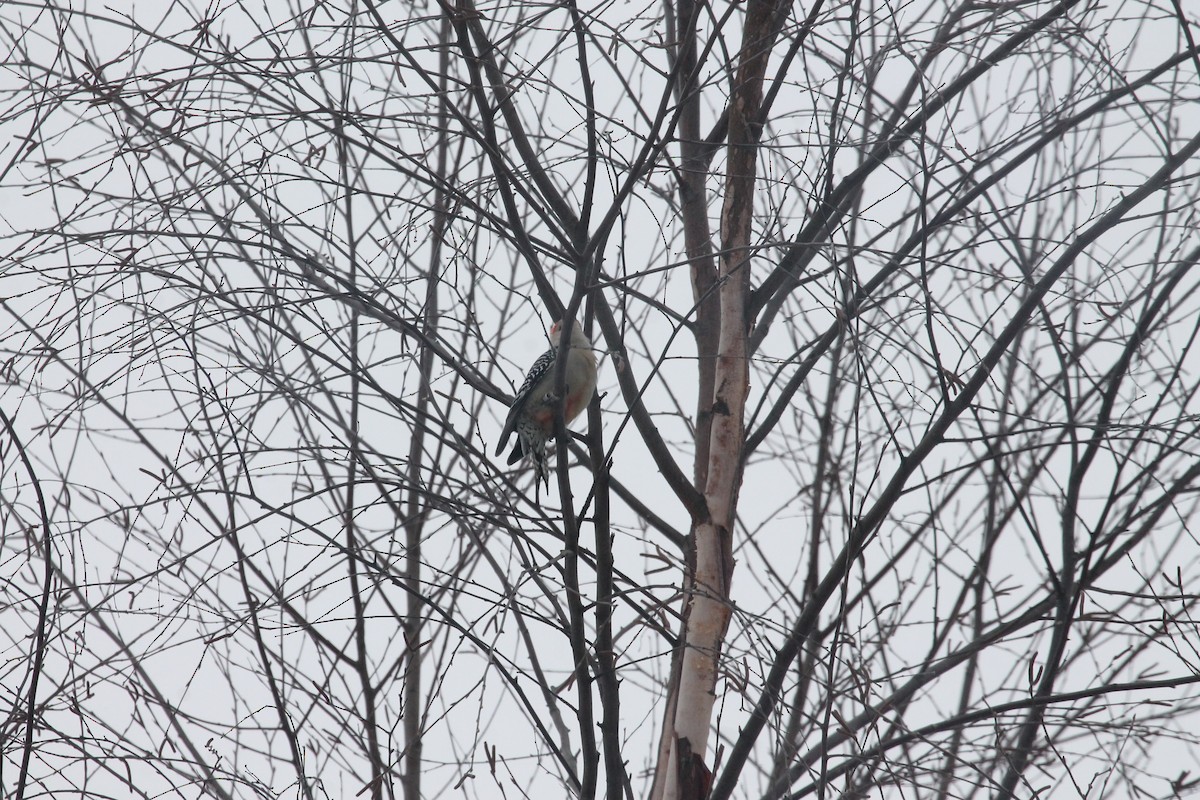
x: 688, y: 722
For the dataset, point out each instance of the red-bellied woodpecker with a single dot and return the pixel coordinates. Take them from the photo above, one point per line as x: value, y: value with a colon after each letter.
x: 531, y: 416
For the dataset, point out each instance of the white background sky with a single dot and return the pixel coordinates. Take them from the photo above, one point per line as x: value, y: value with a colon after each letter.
x: 151, y: 230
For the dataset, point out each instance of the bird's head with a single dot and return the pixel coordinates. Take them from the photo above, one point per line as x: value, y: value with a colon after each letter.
x: 578, y: 337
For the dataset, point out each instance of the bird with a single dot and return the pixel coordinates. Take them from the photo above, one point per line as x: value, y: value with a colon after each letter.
x: 531, y: 416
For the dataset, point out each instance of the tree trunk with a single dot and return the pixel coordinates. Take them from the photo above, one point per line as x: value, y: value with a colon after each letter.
x: 684, y: 774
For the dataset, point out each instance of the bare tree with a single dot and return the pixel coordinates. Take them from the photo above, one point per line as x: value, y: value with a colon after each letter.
x: 889, y: 488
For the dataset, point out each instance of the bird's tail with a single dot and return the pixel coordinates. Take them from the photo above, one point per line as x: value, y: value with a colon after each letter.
x: 537, y: 455
x: 543, y: 468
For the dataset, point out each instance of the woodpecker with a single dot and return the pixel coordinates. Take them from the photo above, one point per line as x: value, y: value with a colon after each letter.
x: 531, y: 416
